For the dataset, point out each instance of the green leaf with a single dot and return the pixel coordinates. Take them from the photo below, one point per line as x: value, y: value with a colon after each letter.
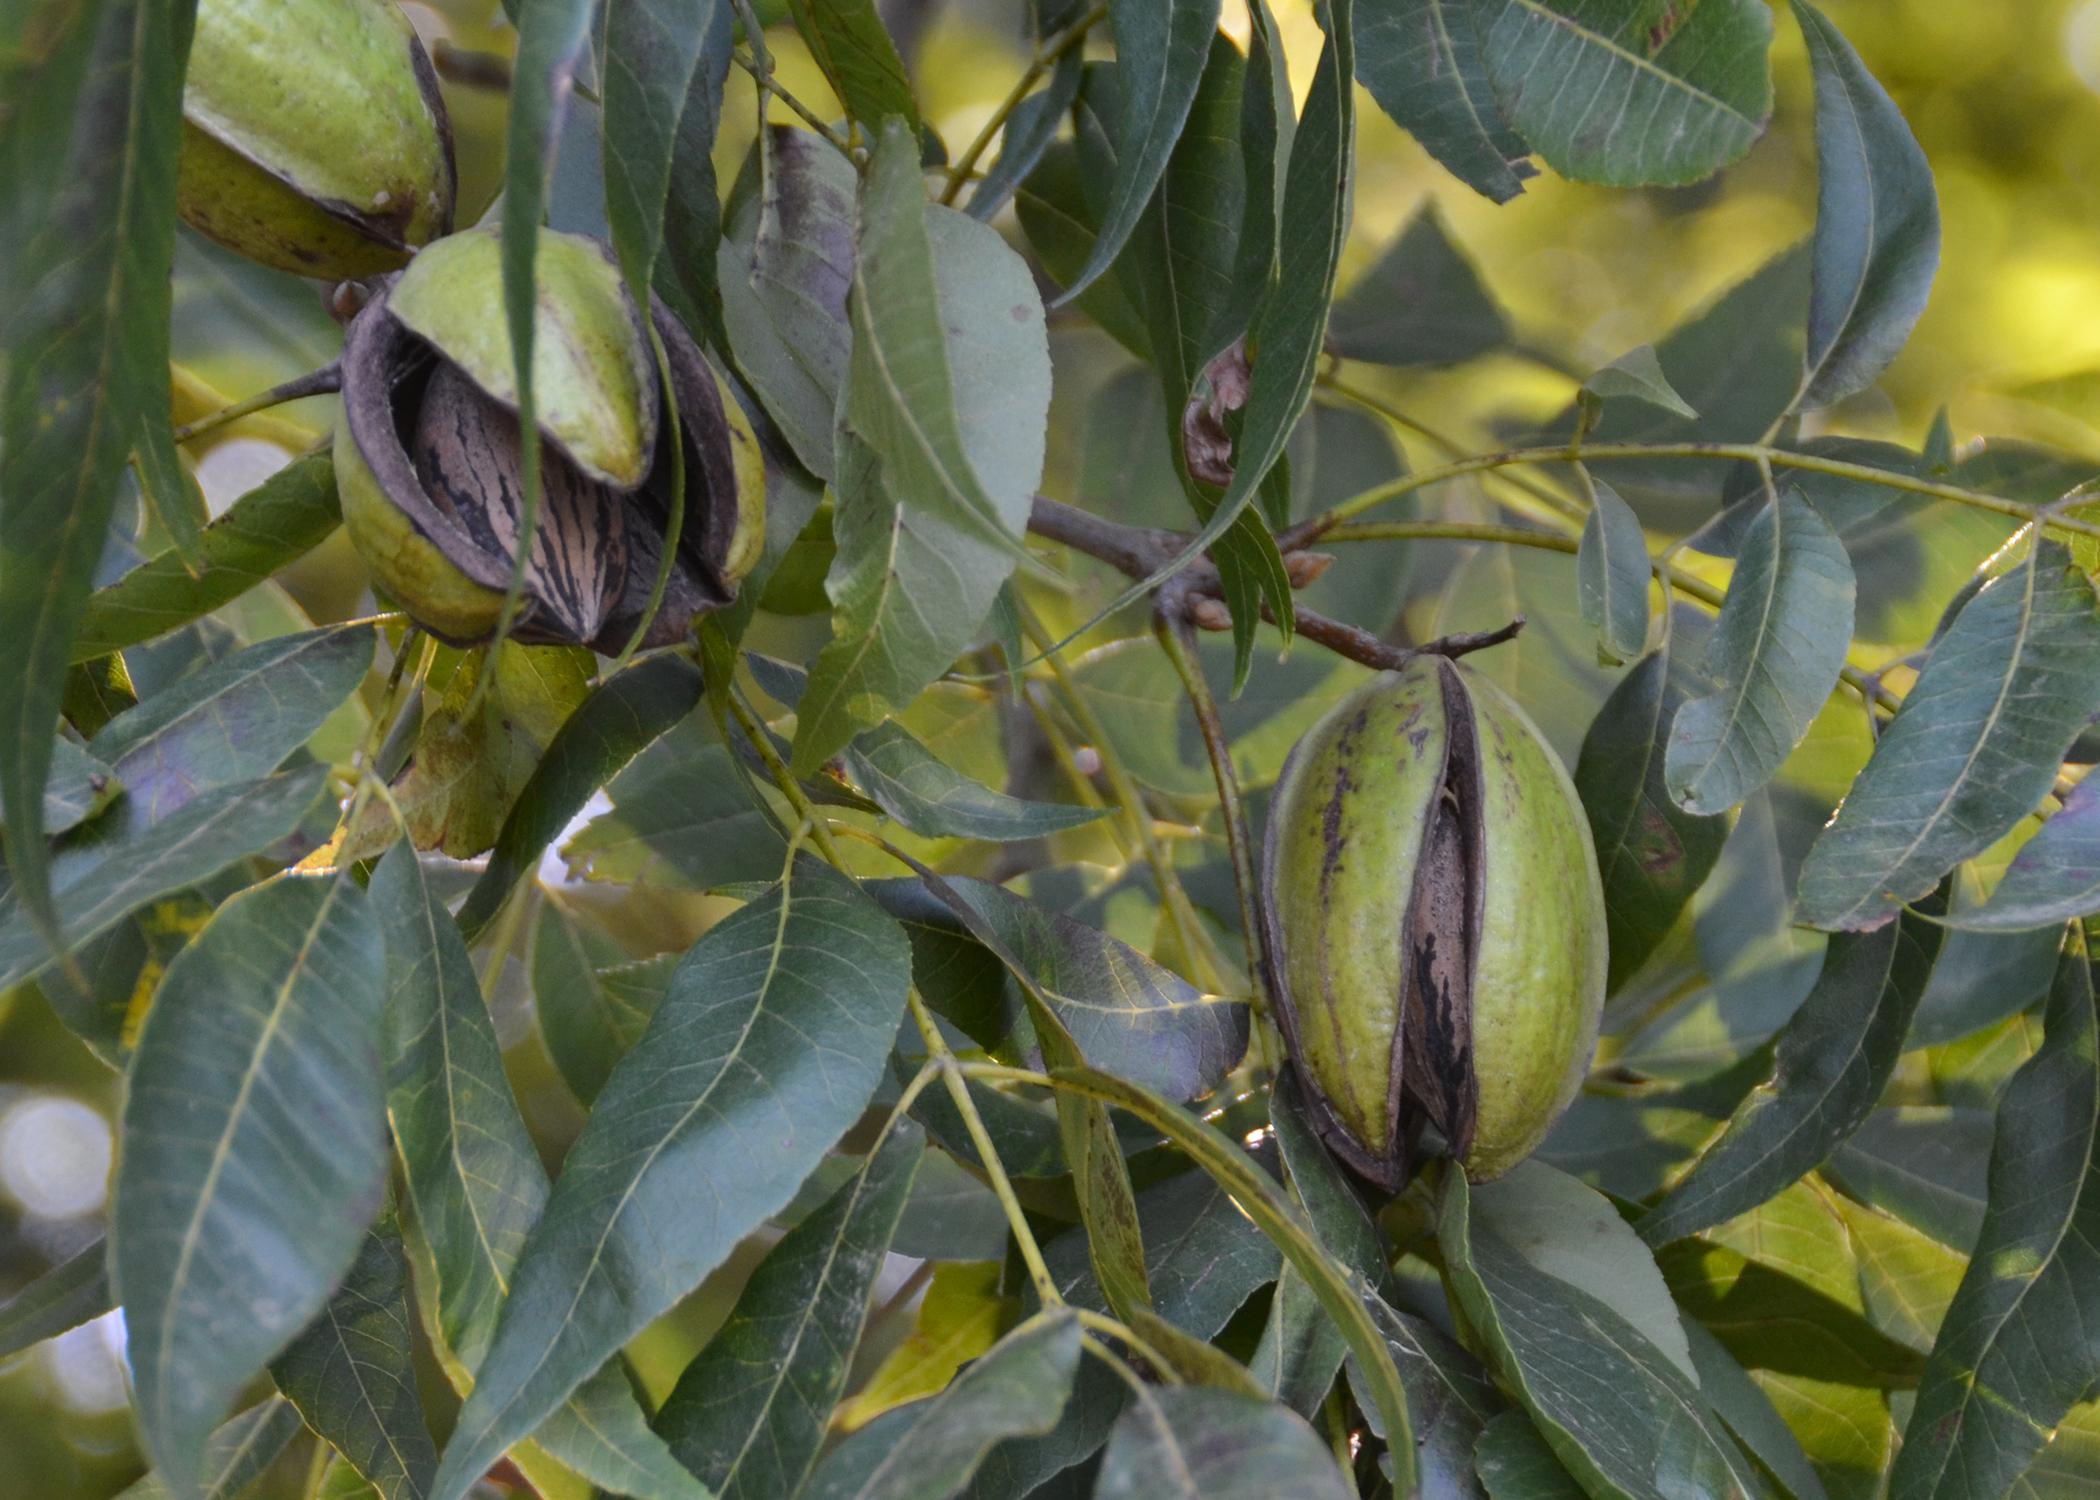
x: 1290, y: 325
x: 934, y: 800
x: 914, y: 576
x: 1630, y: 94
x: 1301, y: 1349
x: 553, y: 36
x: 254, y: 1150
x: 1926, y: 1164
x: 1193, y: 1443
x: 1973, y: 749
x: 703, y: 1130
x: 1830, y: 1065
x: 352, y: 1373
x: 276, y: 523
x: 1515, y: 1463
x: 1203, y: 1260
x: 1420, y: 59
x: 1128, y: 1014
x: 1160, y: 50
x: 80, y: 787
x: 1027, y: 134
x: 592, y: 1005
x: 853, y: 47
x: 1734, y: 361
x: 748, y: 1415
x: 1422, y: 304
x: 2017, y: 1351
x: 233, y: 721
x: 69, y: 1294
x: 960, y: 1317
x: 663, y: 69
x: 1774, y: 657
x: 1263, y: 1202
x: 1450, y: 1397
x: 1622, y: 1414
x: 2054, y: 877
x: 1651, y: 853
x: 681, y: 815
x: 785, y: 268
x: 1638, y: 375
x: 902, y: 396
x: 201, y: 838
x: 1749, y: 1415
x: 474, y: 1180
x: 1058, y: 212
x: 602, y: 1433
x: 620, y: 718
x: 88, y: 151
x: 1017, y: 1389
x: 1611, y: 572
x: 239, y: 1451
x: 1877, y: 222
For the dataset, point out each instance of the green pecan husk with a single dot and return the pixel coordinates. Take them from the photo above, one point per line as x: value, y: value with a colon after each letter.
x: 1434, y: 924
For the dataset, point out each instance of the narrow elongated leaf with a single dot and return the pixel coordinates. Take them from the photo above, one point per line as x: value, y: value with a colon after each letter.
x: 1622, y: 1414
x: 1774, y: 658
x: 1652, y: 854
x: 1515, y: 1463
x: 664, y: 65
x: 552, y: 38
x: 1749, y: 1414
x: 912, y: 582
x: 1160, y: 50
x: 1127, y: 1013
x: 616, y: 723
x: 2018, y: 1347
x: 1638, y: 375
x: 473, y: 1177
x: 590, y: 1013
x: 1203, y: 1260
x: 749, y: 1413
x: 1630, y: 95
x: 1301, y: 1349
x: 79, y: 788
x: 1828, y: 1069
x: 87, y: 171
x: 681, y: 815
x: 902, y: 397
x: 67, y: 1295
x: 233, y: 721
x: 2056, y: 874
x: 1193, y: 1443
x: 1973, y: 749
x: 1421, y: 61
x: 854, y: 49
x: 1028, y: 132
x: 203, y: 837
x: 240, y: 1449
x: 1877, y: 222
x: 1290, y: 325
x: 1450, y: 1398
x: 254, y: 1150
x: 1265, y: 1203
x: 767, y: 1046
x: 1422, y: 303
x: 1016, y: 1389
x: 352, y: 1373
x: 1611, y: 572
x: 785, y: 269
x: 933, y: 799
x: 476, y: 1182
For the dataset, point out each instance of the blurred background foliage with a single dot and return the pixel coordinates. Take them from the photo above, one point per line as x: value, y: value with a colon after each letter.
x: 2006, y: 101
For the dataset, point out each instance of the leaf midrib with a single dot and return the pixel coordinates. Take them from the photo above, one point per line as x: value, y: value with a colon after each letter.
x: 1598, y: 39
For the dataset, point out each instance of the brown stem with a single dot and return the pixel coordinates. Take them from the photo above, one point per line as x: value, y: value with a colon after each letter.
x: 1139, y: 551
x: 1360, y: 645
